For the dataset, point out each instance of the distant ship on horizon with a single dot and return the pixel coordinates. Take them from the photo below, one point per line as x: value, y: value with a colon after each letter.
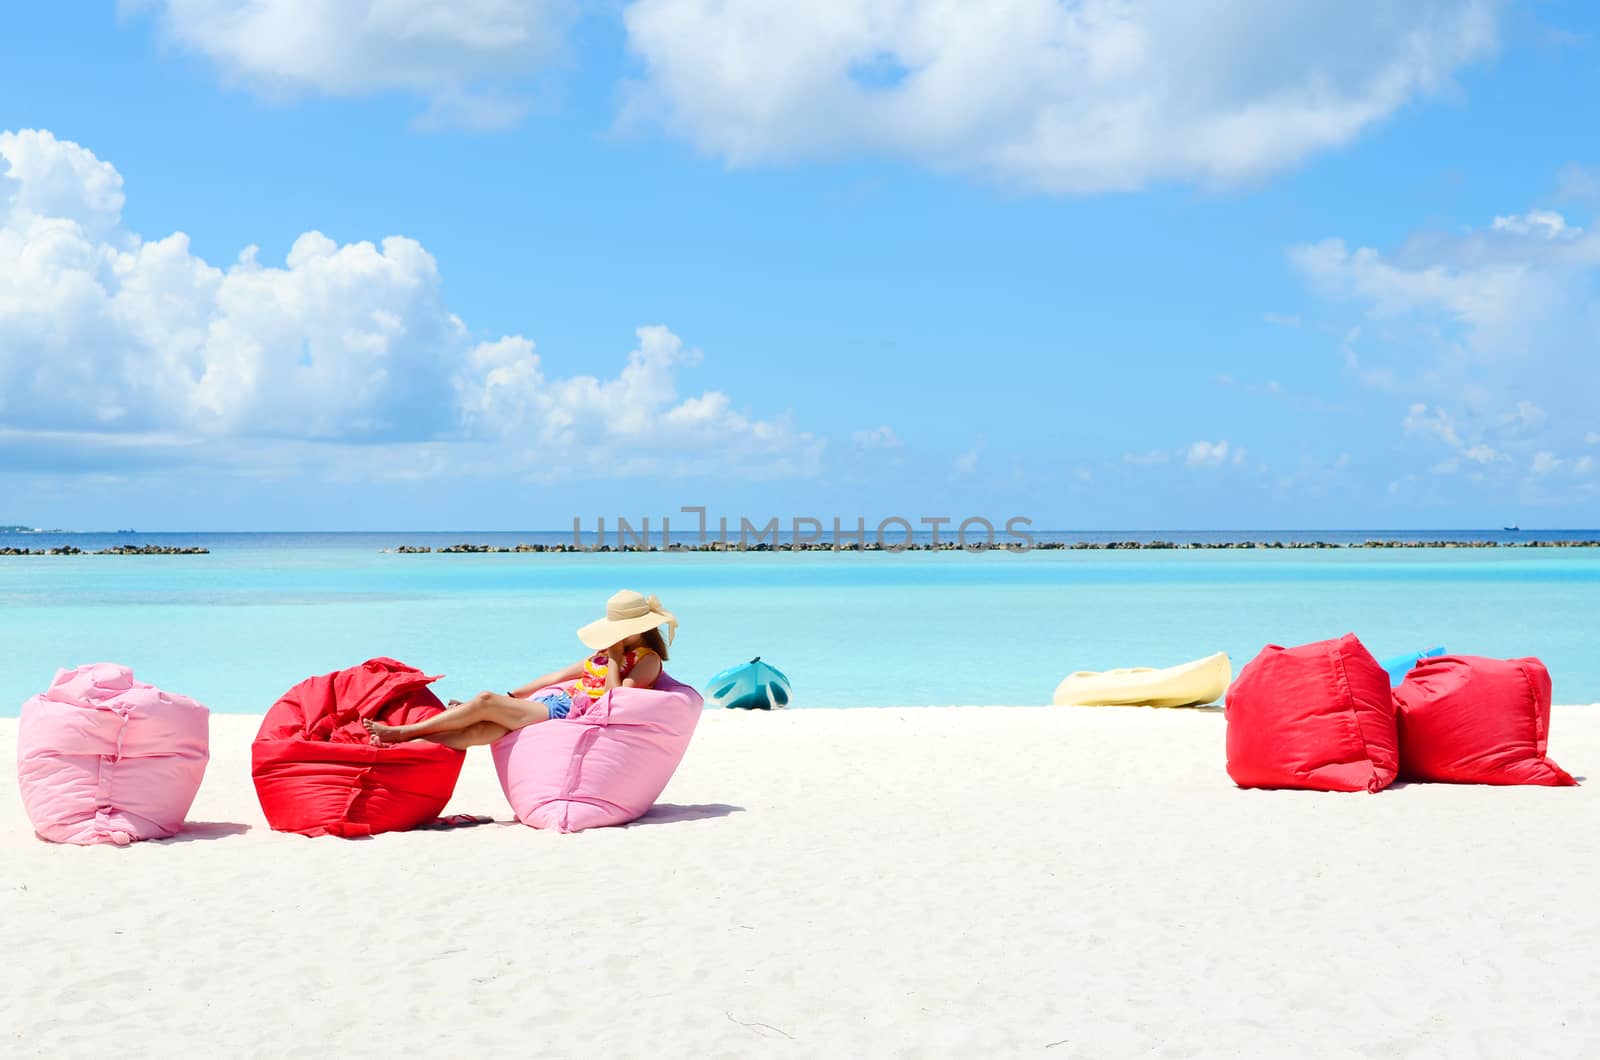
x: 1511, y: 528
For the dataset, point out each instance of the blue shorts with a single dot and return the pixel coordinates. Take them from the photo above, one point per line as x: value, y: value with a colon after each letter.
x: 558, y: 702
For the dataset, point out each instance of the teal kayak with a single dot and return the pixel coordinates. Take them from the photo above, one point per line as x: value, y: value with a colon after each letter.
x: 754, y: 685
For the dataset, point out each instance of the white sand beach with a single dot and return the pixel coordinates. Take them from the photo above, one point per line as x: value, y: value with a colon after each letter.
x: 917, y: 882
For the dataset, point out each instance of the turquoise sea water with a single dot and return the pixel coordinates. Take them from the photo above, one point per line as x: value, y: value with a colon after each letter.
x: 237, y: 627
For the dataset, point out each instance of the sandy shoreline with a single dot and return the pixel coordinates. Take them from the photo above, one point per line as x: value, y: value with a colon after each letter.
x: 936, y: 881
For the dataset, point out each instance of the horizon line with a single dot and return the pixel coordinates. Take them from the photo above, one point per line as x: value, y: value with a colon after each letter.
x: 589, y: 531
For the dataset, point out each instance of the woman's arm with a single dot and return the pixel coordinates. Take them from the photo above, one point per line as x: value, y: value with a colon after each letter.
x: 646, y: 668
x: 614, y: 667
x: 571, y: 673
x: 644, y: 673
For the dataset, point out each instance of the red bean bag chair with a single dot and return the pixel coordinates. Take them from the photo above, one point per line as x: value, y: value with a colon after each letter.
x: 1468, y: 720
x: 1319, y: 716
x: 317, y: 773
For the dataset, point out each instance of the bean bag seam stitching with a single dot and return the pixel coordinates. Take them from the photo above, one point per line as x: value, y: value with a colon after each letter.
x: 1350, y: 700
x: 1541, y: 733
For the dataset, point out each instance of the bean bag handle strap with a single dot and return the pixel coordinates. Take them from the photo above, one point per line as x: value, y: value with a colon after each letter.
x: 122, y: 730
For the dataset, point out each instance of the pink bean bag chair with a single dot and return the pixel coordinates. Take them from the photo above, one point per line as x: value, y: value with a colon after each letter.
x: 1319, y: 716
x: 1469, y: 720
x: 102, y: 758
x: 603, y: 764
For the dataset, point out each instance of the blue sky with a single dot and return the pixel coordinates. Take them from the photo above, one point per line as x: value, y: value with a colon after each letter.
x: 1102, y: 265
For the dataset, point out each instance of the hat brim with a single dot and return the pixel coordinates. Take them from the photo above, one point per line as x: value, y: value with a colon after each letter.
x: 606, y: 632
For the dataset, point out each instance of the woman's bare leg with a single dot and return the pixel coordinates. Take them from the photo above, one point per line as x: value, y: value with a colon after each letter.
x: 484, y: 732
x: 485, y: 706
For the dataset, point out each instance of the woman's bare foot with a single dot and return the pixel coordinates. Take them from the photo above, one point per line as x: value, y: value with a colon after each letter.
x: 385, y: 734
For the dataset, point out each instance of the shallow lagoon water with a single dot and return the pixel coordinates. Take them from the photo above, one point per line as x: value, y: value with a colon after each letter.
x: 237, y: 627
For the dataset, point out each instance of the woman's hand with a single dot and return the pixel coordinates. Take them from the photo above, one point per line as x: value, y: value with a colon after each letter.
x: 614, y: 665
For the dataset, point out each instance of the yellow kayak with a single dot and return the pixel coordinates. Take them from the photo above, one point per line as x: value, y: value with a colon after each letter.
x: 1187, y: 685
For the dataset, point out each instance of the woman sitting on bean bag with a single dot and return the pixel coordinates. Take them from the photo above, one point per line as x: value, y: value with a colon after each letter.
x: 629, y: 651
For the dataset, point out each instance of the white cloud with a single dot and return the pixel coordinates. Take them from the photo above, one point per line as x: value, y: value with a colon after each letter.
x: 474, y: 111
x: 1436, y: 422
x: 1490, y: 300
x: 1546, y: 462
x: 1206, y: 454
x: 635, y: 423
x: 46, y: 181
x: 966, y: 463
x: 1575, y: 183
x: 1525, y: 417
x: 1483, y: 454
x: 877, y: 438
x: 99, y: 328
x: 1201, y: 454
x: 1497, y: 324
x: 1082, y: 97
x: 1495, y: 283
x: 1592, y: 438
x: 104, y: 332
x: 1377, y: 378
x: 1089, y: 96
x: 1546, y: 224
x: 464, y: 58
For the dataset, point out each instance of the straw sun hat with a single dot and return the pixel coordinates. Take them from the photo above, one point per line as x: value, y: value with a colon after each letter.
x: 627, y: 613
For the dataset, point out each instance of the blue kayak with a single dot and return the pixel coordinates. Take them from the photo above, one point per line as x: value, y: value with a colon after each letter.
x: 754, y: 685
x: 1400, y: 665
